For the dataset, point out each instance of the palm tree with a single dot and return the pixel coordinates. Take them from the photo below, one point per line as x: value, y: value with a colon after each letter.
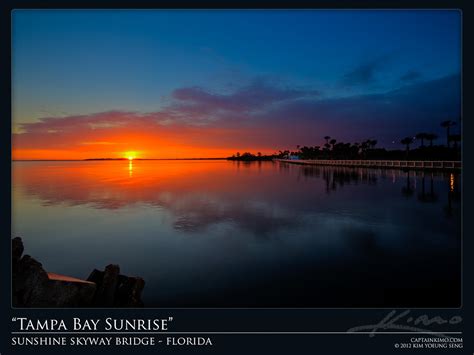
x: 327, y: 138
x: 455, y: 138
x: 368, y: 144
x: 407, y: 141
x: 447, y: 124
x: 422, y: 136
x: 332, y: 142
x: 431, y: 137
x: 372, y: 143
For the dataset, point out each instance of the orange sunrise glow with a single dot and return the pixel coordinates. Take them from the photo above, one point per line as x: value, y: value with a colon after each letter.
x: 126, y: 135
x: 149, y: 145
x: 130, y: 155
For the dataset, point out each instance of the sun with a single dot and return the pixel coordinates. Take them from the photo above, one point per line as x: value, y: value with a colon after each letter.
x: 130, y: 155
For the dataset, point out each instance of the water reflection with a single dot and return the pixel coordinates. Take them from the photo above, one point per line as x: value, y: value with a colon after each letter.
x: 267, y: 227
x: 199, y: 194
x: 408, y: 189
x: 261, y: 199
x: 452, y: 208
x: 335, y: 177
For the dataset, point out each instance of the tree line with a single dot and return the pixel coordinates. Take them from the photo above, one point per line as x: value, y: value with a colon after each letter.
x: 367, y: 149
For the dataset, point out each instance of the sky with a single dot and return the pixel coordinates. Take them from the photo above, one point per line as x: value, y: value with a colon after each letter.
x: 209, y: 83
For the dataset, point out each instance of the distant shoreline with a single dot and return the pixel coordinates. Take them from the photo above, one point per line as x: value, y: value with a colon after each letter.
x: 117, y: 159
x: 336, y: 162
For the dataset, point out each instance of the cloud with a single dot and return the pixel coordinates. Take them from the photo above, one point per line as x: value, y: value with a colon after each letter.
x: 198, y: 103
x: 384, y: 116
x: 258, y: 116
x: 364, y: 73
x: 410, y: 76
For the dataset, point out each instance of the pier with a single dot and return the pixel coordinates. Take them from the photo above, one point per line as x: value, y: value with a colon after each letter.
x: 412, y: 164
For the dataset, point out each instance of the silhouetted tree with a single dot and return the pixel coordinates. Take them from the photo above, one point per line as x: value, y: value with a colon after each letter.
x: 327, y: 138
x: 407, y: 141
x: 431, y: 137
x: 354, y: 150
x: 372, y: 143
x: 456, y: 138
x: 283, y: 154
x: 447, y: 124
x: 332, y: 142
x: 421, y: 136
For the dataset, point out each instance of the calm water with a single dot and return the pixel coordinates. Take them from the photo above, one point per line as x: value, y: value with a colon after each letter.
x: 229, y: 234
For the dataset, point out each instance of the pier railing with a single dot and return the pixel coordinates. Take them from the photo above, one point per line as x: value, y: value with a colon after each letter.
x: 415, y: 164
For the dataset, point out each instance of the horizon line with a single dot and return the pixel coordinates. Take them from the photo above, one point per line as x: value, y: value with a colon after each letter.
x: 92, y: 159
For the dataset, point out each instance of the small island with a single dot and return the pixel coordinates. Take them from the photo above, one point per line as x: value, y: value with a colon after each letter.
x: 247, y: 156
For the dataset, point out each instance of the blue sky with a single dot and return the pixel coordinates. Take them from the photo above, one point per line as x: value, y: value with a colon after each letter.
x: 80, y: 62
